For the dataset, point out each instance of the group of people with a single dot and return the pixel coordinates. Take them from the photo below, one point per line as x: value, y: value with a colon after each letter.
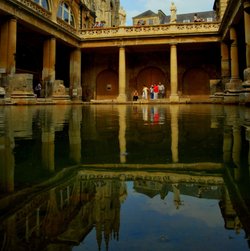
x: 99, y: 24
x: 155, y: 91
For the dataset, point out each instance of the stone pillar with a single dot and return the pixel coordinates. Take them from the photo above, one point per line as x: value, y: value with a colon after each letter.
x: 225, y: 64
x: 247, y: 38
x: 122, y: 75
x: 75, y: 74
x: 8, y: 35
x: 173, y: 74
x: 49, y: 61
x: 235, y: 82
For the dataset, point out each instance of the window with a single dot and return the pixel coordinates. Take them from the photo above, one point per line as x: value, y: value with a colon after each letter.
x: 150, y: 21
x: 43, y: 3
x: 65, y: 13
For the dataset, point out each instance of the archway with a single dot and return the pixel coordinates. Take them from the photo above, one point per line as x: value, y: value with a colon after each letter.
x: 107, y: 85
x: 149, y: 76
x: 196, y: 82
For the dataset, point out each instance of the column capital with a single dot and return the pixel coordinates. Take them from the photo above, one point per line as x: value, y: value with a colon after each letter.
x: 246, y: 5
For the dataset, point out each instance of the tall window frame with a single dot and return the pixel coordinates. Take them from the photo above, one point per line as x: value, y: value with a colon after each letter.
x: 42, y: 3
x: 65, y: 13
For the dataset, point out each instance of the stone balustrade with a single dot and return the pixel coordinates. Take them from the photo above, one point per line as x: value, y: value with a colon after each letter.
x: 164, y: 29
x: 35, y: 7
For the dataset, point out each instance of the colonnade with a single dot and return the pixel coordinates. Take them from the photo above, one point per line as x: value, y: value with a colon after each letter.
x: 230, y: 72
x: 174, y: 97
x: 8, y: 46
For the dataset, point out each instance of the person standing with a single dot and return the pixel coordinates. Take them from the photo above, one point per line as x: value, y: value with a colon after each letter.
x: 135, y: 95
x: 156, y: 91
x: 145, y: 92
x: 161, y: 90
x: 38, y: 89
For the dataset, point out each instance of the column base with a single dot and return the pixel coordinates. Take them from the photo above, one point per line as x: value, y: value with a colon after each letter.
x: 122, y: 98
x: 174, y: 99
x: 233, y: 86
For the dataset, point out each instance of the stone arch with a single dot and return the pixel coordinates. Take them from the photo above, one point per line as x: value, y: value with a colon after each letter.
x: 107, y: 86
x: 149, y: 76
x: 195, y: 82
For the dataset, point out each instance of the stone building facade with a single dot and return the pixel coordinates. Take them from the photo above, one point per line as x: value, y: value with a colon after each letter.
x: 56, y: 43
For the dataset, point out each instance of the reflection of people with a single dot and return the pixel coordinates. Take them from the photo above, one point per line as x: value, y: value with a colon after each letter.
x: 38, y: 89
x: 173, y: 13
x: 135, y: 95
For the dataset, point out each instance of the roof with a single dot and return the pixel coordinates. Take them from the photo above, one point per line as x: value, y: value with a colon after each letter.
x: 180, y: 17
x: 148, y: 13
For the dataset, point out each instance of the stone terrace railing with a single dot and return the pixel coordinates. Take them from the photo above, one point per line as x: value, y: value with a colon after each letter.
x: 165, y: 29
x: 35, y: 7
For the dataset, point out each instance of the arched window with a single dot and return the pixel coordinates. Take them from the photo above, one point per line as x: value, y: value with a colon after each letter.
x: 43, y: 3
x: 65, y: 13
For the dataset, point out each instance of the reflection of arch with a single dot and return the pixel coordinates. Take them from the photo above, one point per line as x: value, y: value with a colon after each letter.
x: 107, y: 85
x: 196, y: 82
x: 148, y: 76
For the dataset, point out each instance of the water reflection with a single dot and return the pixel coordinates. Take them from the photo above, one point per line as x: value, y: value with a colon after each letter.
x: 92, y: 177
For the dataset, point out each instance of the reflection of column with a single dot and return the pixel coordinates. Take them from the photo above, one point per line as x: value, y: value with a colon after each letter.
x: 174, y: 110
x: 248, y: 139
x: 7, y: 163
x: 227, y: 144
x: 122, y: 75
x: 75, y: 74
x: 177, y: 197
x: 173, y: 73
x: 48, y: 143
x: 122, y: 132
x: 236, y: 151
x: 49, y: 61
x: 225, y: 64
x: 8, y: 46
x: 75, y: 140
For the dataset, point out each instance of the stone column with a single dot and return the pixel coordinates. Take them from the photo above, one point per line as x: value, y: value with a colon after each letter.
x: 225, y: 64
x: 235, y: 82
x: 236, y: 150
x: 8, y: 33
x: 122, y: 75
x: 49, y: 61
x: 173, y: 74
x: 75, y: 74
x: 247, y: 38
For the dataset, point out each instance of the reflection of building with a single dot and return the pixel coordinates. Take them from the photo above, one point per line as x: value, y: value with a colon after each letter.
x: 72, y: 59
x: 71, y: 209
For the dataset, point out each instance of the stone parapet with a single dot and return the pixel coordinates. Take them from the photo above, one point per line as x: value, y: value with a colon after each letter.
x: 164, y: 29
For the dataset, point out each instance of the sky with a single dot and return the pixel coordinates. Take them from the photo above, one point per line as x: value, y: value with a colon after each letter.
x: 136, y: 7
